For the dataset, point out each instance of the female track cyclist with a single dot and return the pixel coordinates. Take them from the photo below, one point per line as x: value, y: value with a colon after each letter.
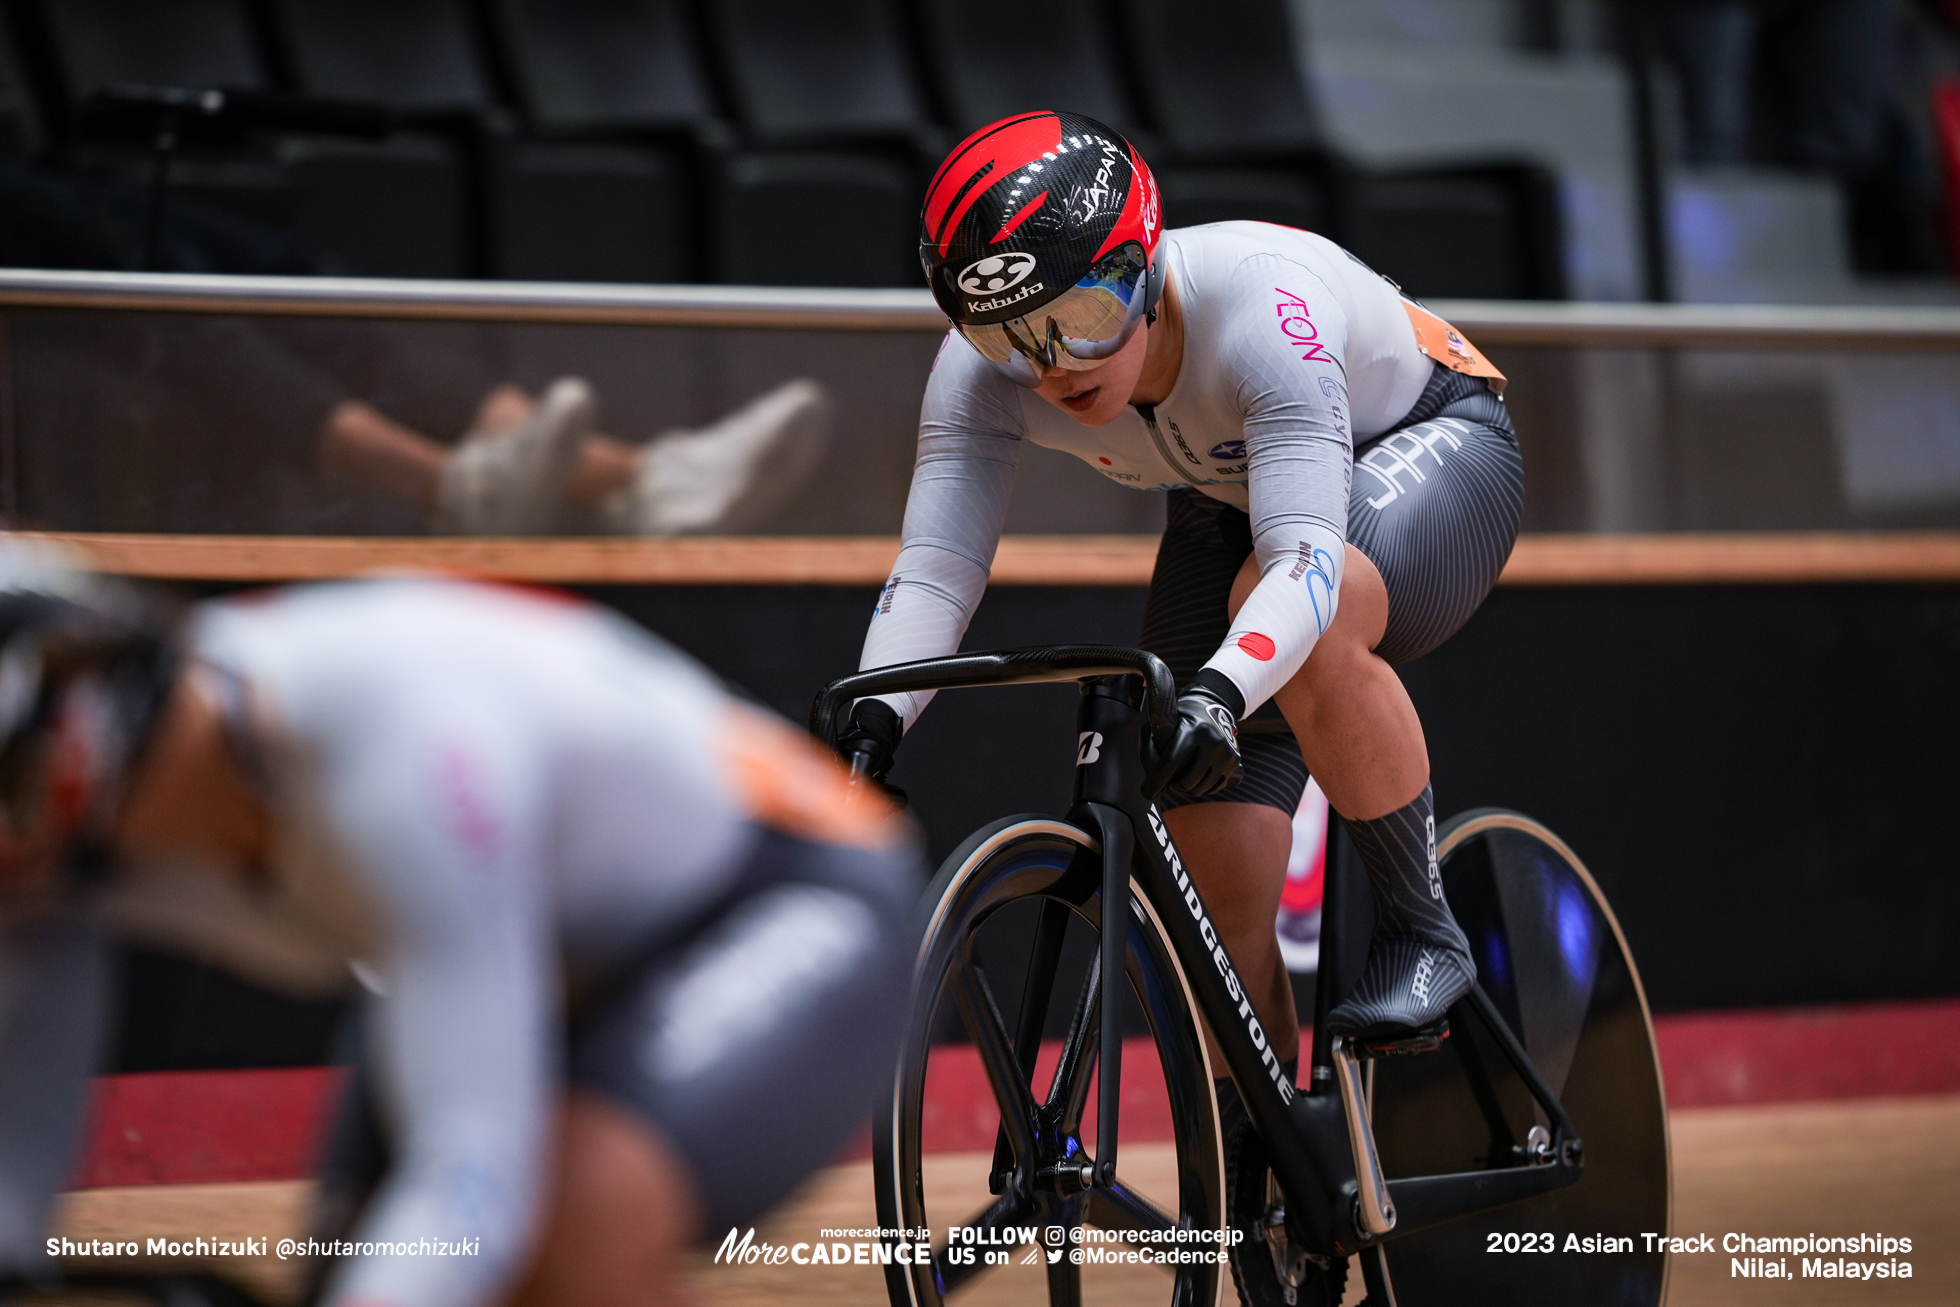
x: 1344, y: 489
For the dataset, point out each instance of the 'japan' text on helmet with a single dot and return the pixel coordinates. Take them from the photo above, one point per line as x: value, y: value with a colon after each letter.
x: 84, y: 667
x: 1039, y: 237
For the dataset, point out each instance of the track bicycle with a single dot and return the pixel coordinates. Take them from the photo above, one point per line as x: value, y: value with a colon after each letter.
x: 1470, y: 1169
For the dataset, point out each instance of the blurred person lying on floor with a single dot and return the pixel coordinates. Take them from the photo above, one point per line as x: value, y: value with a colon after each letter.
x: 312, y: 391
x: 526, y: 460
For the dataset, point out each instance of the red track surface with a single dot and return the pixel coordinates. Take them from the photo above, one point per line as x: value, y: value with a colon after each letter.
x: 185, y: 1127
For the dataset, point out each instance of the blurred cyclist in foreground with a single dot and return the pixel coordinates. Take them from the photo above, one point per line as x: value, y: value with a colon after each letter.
x: 633, y: 950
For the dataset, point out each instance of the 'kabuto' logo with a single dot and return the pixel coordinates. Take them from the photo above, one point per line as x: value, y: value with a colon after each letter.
x: 996, y: 273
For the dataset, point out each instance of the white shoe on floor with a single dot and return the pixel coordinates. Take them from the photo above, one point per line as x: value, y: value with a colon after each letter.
x: 731, y: 476
x: 510, y: 482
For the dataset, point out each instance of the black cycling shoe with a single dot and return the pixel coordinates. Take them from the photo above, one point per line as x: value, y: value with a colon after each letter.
x: 1405, y: 989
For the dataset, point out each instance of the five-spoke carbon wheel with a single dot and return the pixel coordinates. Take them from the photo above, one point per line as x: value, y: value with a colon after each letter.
x: 1050, y: 873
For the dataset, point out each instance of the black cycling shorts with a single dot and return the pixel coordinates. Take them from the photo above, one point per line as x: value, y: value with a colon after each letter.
x: 758, y: 1046
x: 1434, y: 506
x: 754, y: 1038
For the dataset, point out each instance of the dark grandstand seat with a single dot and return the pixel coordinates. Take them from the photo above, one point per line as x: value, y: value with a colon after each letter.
x: 598, y: 212
x: 184, y: 43
x: 836, y: 142
x: 1232, y: 92
x: 625, y: 79
x: 260, y: 200
x: 804, y: 73
x: 817, y: 218
x: 984, y: 78
x: 411, y: 54
x: 21, y: 134
x: 597, y: 66
x: 1233, y: 113
x: 545, y: 210
x: 1479, y: 231
x: 1222, y: 89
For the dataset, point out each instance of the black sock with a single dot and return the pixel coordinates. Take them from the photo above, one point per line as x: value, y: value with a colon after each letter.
x: 1399, y: 851
x: 1418, y: 960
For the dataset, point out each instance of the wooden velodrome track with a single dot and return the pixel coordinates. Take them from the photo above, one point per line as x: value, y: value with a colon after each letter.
x: 1841, y: 1166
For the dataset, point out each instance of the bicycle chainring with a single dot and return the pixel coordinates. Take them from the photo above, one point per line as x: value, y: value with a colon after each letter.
x: 1269, y: 1266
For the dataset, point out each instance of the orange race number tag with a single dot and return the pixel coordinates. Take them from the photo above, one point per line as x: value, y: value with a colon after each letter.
x: 1450, y: 347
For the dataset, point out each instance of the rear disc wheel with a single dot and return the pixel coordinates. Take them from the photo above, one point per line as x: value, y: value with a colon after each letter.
x: 1552, y: 959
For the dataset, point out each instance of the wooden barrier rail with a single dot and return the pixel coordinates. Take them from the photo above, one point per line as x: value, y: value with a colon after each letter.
x: 1713, y: 559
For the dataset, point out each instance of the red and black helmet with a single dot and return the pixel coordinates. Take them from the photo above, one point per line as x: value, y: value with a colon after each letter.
x: 1039, y: 238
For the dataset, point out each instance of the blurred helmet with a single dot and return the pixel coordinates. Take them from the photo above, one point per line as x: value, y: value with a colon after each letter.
x: 84, y: 667
x: 1039, y: 237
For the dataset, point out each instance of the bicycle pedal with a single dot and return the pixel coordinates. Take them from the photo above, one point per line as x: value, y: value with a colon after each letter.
x: 1426, y: 1040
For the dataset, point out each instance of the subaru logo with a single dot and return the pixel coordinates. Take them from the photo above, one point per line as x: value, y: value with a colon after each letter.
x: 1229, y: 450
x: 996, y: 273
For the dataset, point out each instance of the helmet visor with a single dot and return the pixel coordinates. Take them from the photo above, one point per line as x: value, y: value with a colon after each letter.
x: 1076, y: 330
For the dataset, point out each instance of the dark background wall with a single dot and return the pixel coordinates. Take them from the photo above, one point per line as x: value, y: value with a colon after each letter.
x: 1761, y: 778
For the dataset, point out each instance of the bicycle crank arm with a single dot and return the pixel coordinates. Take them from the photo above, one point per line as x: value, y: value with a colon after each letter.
x: 1374, y: 1208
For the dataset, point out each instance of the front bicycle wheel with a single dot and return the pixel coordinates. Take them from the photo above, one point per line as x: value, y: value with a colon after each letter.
x: 1023, y: 896
x: 1552, y: 959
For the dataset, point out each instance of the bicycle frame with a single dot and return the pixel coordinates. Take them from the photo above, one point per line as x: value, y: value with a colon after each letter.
x: 1320, y: 1140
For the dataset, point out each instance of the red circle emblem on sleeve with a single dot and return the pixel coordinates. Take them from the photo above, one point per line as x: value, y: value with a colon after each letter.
x: 1257, y: 646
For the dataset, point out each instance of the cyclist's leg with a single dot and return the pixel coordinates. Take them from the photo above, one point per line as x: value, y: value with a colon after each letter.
x: 1432, y: 519
x: 1237, y: 852
x: 623, y: 1204
x: 732, y: 1064
x: 1235, y: 843
x: 1357, y: 729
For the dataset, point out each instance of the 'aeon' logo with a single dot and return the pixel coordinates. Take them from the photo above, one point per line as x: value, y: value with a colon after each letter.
x: 1296, y: 323
x: 996, y: 273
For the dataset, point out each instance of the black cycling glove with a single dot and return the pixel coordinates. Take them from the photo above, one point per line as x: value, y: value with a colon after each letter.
x: 1204, y: 751
x: 868, y: 743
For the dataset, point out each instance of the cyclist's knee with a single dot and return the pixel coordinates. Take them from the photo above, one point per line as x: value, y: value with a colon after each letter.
x: 1362, y: 613
x: 622, y: 1205
x: 1346, y: 648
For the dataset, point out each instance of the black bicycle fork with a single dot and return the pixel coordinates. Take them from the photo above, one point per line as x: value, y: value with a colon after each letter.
x: 1320, y: 1142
